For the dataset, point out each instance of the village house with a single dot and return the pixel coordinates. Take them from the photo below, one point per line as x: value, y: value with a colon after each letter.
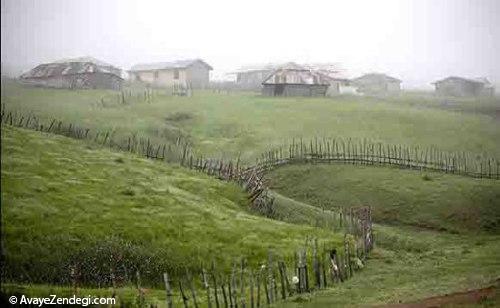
x: 77, y: 73
x: 295, y: 80
x: 465, y: 87
x: 376, y: 84
x: 251, y: 77
x: 187, y: 73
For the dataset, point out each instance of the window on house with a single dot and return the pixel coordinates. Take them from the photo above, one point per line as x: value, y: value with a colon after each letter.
x: 156, y: 75
x: 176, y: 74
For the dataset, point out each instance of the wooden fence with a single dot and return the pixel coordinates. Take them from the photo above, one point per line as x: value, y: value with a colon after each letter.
x: 313, y: 267
x: 252, y: 178
x: 364, y: 152
x: 179, y: 151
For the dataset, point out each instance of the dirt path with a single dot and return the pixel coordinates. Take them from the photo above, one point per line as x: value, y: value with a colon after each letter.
x: 488, y: 296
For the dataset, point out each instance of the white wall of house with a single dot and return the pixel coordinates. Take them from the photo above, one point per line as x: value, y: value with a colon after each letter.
x: 161, y: 78
x: 197, y: 75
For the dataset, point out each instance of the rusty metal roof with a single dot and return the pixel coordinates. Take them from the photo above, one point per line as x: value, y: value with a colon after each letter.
x: 292, y: 73
x: 71, y: 67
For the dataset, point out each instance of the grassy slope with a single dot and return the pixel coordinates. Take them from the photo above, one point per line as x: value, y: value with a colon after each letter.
x: 431, y: 200
x: 248, y: 124
x: 408, y: 262
x: 63, y: 200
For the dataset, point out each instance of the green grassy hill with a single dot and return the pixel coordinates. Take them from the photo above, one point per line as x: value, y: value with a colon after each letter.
x: 66, y: 202
x: 247, y: 124
x: 430, y: 200
x: 443, y: 235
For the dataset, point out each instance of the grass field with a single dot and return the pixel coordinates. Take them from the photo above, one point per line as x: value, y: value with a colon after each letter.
x: 66, y: 202
x: 436, y: 233
x: 246, y: 124
x: 407, y: 197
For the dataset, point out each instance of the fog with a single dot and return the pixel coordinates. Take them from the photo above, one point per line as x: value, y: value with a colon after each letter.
x: 416, y: 41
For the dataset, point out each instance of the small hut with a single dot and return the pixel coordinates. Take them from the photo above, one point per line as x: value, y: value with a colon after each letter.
x: 375, y: 84
x: 294, y: 80
x: 464, y: 87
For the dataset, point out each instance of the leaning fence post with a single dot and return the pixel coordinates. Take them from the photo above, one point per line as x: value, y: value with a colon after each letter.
x: 268, y: 300
x: 230, y: 292
x: 168, y: 289
x: 242, y: 284
x: 207, y: 287
x: 139, y: 289
x: 282, y: 280
x: 214, y: 279
x: 252, y: 304
x: 258, y: 288
x: 184, y: 297
x: 224, y: 296
x: 234, y: 294
x: 191, y: 287
x: 317, y: 274
x: 270, y: 276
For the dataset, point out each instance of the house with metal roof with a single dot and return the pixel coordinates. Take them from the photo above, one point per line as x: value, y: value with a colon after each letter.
x: 294, y: 80
x: 188, y: 73
x: 460, y: 86
x: 376, y: 84
x: 251, y: 77
x: 77, y: 73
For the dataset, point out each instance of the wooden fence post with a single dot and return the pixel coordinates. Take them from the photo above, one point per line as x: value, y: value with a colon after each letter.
x: 282, y: 280
x: 270, y: 276
x: 168, y: 290
x: 224, y: 296
x: 258, y: 287
x: 230, y: 291
x: 214, y: 280
x: 191, y: 287
x: 317, y: 274
x: 207, y: 287
x: 183, y: 295
x: 242, y: 284
x: 139, y: 289
x: 252, y: 304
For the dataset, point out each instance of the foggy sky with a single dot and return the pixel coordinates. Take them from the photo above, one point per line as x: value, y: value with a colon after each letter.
x: 417, y: 41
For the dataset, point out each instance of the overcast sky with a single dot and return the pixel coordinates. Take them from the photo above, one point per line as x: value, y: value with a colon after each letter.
x: 417, y: 41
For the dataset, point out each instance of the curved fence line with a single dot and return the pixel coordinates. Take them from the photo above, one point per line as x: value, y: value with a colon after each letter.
x: 362, y: 152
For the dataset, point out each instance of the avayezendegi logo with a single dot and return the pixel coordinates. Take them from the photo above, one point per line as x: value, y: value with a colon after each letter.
x: 55, y: 300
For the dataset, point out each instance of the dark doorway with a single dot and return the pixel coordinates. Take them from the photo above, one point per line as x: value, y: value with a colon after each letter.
x: 279, y: 89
